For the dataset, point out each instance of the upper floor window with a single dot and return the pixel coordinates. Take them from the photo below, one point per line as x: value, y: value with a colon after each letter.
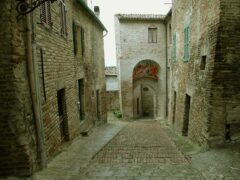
x: 45, y: 13
x: 63, y: 17
x: 78, y: 39
x: 152, y: 35
x: 186, y: 43
x: 83, y: 41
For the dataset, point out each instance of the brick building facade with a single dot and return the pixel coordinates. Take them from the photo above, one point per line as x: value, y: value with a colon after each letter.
x: 141, y: 61
x: 204, y: 70
x: 52, y: 81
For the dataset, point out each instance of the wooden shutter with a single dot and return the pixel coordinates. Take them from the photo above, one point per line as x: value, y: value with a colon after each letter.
x: 63, y: 11
x: 83, y: 40
x: 43, y: 13
x: 186, y: 43
x: 154, y: 35
x: 48, y: 13
x: 174, y: 51
x: 75, y: 44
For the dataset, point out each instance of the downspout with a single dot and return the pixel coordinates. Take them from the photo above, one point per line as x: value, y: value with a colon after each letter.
x: 34, y: 94
x: 166, y: 71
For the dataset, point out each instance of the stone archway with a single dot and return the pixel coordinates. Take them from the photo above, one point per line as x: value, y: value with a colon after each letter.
x: 145, y: 80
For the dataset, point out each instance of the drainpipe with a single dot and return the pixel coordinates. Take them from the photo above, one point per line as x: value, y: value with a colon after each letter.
x: 166, y: 115
x: 36, y: 103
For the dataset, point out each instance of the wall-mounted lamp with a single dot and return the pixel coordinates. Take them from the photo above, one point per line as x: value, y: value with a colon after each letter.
x: 24, y: 7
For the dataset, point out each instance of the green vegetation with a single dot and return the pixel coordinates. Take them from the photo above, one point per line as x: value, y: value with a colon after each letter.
x: 117, y: 113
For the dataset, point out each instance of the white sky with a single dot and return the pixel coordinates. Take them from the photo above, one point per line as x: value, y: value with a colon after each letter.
x: 108, y: 8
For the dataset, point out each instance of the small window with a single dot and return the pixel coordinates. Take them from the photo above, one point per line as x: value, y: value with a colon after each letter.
x: 45, y: 13
x: 152, y: 35
x: 203, y: 62
x: 63, y: 18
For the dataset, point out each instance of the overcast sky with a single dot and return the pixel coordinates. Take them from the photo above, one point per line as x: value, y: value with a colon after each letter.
x: 110, y: 7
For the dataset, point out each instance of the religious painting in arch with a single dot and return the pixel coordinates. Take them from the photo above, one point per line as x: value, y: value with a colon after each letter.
x: 146, y: 69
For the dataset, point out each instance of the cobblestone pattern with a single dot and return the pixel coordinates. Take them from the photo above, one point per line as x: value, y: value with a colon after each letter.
x: 141, y: 142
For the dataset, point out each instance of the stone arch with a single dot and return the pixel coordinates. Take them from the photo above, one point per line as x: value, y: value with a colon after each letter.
x: 145, y: 79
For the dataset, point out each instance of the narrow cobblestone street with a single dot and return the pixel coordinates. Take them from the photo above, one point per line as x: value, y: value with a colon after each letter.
x: 142, y: 150
x: 140, y: 142
x: 139, y: 150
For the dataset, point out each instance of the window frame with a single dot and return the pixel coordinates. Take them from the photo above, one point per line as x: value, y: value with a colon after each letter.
x: 63, y: 17
x: 82, y: 38
x: 45, y: 14
x: 152, y: 35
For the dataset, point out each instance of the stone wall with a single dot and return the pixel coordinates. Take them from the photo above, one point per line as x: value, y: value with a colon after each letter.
x: 189, y: 78
x: 18, y: 152
x: 113, y: 100
x: 58, y: 69
x: 133, y: 47
x: 224, y: 118
x: 211, y: 75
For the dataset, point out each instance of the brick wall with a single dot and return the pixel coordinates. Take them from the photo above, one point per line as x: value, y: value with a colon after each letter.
x: 188, y: 78
x: 113, y: 100
x: 225, y: 88
x: 58, y: 69
x: 17, y: 129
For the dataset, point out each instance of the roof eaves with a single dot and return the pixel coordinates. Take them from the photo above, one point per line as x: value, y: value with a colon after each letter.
x: 133, y: 17
x: 169, y: 14
x: 91, y: 13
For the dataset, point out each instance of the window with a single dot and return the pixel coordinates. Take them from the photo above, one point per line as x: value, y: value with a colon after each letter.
x: 78, y: 39
x: 203, y: 62
x: 63, y: 12
x: 186, y: 43
x: 75, y: 33
x: 82, y: 41
x: 45, y: 13
x: 174, y: 47
x: 152, y: 35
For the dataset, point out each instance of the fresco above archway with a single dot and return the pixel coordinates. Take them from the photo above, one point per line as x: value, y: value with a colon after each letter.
x: 146, y: 69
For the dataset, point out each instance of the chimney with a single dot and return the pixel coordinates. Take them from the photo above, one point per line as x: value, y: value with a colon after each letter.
x: 97, y: 11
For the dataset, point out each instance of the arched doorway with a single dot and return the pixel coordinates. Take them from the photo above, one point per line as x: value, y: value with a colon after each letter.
x: 145, y: 89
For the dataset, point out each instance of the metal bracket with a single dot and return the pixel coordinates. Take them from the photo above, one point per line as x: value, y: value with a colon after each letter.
x: 24, y: 8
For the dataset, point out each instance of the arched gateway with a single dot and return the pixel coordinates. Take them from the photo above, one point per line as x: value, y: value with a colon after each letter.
x: 145, y: 79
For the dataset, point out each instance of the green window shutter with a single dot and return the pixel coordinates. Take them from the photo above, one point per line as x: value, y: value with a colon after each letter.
x: 186, y: 43
x: 174, y: 48
x: 74, y: 32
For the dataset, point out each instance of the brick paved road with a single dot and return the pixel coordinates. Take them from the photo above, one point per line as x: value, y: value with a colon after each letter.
x: 140, y: 151
x: 141, y: 142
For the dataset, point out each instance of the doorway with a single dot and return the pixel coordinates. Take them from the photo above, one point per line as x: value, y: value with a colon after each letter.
x: 63, y: 122
x: 98, y: 106
x: 174, y: 107
x: 81, y: 105
x: 186, y: 115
